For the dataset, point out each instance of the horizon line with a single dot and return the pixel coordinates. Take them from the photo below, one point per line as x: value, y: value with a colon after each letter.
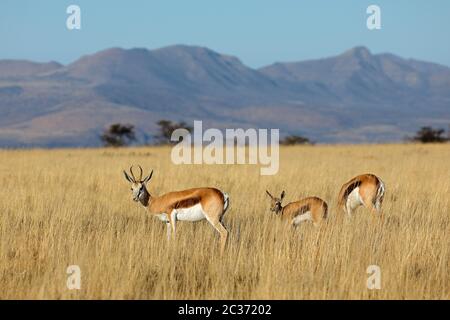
x: 226, y: 54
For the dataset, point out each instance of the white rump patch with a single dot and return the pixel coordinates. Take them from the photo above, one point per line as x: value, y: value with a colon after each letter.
x: 354, y: 199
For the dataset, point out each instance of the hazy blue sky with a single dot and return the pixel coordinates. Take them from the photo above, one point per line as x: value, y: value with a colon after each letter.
x: 259, y: 32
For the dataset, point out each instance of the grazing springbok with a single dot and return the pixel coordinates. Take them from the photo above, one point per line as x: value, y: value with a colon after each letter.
x: 364, y: 190
x: 187, y: 205
x: 308, y: 209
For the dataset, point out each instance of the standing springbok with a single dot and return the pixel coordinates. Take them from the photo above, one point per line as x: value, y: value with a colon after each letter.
x: 364, y: 190
x: 308, y: 209
x: 187, y: 205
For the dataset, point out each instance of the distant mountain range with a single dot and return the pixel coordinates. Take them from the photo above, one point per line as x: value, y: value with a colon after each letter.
x: 353, y: 97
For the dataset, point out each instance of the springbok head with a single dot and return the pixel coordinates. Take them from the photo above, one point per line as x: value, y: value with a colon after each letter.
x: 275, y: 203
x: 138, y: 189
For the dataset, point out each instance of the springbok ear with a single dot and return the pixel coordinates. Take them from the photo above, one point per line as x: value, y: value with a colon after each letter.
x: 127, y: 177
x: 147, y: 179
x: 282, y: 195
x: 268, y: 193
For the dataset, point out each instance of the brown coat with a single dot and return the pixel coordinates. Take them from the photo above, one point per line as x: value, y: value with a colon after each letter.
x: 185, y: 199
x: 316, y: 206
x: 371, y: 191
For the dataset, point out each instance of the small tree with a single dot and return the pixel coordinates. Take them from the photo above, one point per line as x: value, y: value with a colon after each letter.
x: 293, y: 140
x: 166, y: 127
x: 430, y: 135
x: 118, y: 135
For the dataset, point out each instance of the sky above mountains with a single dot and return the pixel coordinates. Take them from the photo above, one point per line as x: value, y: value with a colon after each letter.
x: 259, y: 32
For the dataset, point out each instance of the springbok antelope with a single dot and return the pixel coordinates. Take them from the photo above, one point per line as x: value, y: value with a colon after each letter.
x: 187, y: 205
x: 308, y: 209
x: 363, y: 190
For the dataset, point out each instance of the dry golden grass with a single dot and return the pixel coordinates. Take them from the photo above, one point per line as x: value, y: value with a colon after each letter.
x: 65, y: 207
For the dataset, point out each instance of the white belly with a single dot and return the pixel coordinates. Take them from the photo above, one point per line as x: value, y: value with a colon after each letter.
x: 194, y: 213
x: 302, y: 217
x: 354, y: 199
x: 163, y: 217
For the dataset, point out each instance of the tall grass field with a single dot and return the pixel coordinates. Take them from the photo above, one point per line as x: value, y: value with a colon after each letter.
x: 74, y: 207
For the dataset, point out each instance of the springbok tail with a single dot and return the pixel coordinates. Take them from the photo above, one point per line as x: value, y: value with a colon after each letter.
x: 380, y: 195
x: 325, y: 211
x: 226, y: 201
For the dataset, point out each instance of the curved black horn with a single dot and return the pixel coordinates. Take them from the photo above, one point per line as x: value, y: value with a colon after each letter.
x: 147, y: 178
x: 132, y: 174
x: 140, y: 175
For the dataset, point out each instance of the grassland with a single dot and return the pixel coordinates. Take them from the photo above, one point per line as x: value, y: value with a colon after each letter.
x: 73, y: 207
